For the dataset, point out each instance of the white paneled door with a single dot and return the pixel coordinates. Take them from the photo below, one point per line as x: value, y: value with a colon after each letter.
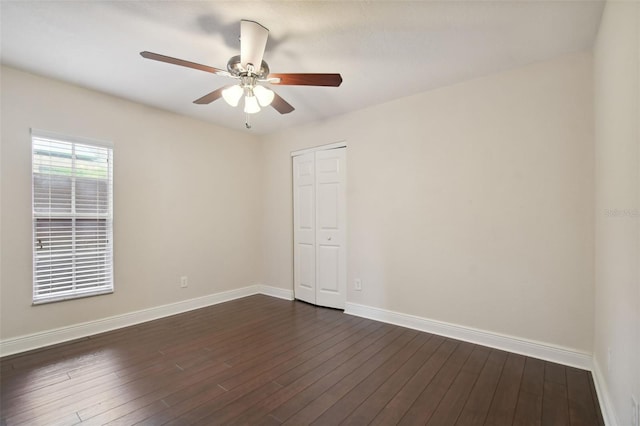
x: 319, y: 218
x: 304, y: 234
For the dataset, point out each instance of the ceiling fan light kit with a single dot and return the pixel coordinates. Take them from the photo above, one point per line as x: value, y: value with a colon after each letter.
x: 251, y: 105
x: 253, y: 40
x: 232, y: 94
x: 264, y: 95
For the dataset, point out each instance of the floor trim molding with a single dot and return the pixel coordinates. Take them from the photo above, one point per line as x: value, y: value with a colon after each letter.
x: 278, y: 292
x: 517, y: 345
x: 608, y: 412
x: 76, y: 331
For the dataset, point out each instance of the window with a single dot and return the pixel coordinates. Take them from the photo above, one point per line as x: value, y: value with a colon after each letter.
x: 72, y: 217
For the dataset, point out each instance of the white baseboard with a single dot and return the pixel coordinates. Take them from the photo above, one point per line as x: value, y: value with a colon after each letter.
x: 278, y: 292
x: 517, y: 345
x: 608, y: 413
x: 64, y: 334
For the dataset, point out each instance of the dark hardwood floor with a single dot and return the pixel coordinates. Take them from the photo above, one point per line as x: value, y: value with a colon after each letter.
x: 261, y: 360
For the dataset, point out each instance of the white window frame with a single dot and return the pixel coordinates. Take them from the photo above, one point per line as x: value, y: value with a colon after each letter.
x: 106, y: 284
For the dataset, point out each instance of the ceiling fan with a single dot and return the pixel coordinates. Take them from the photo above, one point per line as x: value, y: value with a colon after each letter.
x: 252, y: 73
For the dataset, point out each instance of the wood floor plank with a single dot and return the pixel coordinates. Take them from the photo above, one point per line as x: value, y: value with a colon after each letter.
x: 84, y: 388
x: 555, y: 373
x: 107, y: 367
x: 368, y: 410
x: 267, y: 361
x: 201, y: 412
x: 254, y: 383
x: 40, y: 360
x: 395, y: 409
x: 319, y: 366
x: 237, y: 407
x: 430, y: 398
x: 450, y: 407
x: 555, y: 410
x: 529, y: 406
x: 478, y: 403
x: 307, y: 373
x: 503, y: 405
x: 335, y: 393
x: 582, y: 409
x: 346, y: 404
x: 54, y: 400
x: 303, y: 398
x: 290, y: 358
x: 183, y: 399
x: 29, y: 409
x: 110, y: 409
x: 555, y: 402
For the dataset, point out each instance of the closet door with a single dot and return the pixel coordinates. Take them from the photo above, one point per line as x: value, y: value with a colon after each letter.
x: 319, y: 202
x: 331, y: 268
x: 304, y: 220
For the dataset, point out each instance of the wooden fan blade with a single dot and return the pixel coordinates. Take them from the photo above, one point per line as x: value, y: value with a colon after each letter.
x: 183, y: 63
x: 210, y: 97
x: 280, y: 105
x: 333, y: 80
x: 253, y: 41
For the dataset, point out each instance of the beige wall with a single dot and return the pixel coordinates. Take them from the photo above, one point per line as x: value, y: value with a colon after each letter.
x: 471, y: 204
x: 617, y: 133
x: 186, y: 202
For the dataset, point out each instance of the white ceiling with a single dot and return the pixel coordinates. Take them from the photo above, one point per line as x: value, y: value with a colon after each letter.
x: 383, y: 49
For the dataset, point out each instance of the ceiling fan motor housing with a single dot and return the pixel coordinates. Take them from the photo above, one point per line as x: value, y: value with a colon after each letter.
x: 235, y: 68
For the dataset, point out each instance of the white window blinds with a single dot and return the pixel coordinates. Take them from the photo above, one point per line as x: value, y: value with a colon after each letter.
x: 72, y: 218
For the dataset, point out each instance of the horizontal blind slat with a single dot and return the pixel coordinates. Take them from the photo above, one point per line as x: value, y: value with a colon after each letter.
x: 72, y: 216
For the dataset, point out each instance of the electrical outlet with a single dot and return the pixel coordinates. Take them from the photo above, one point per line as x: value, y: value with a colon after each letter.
x: 184, y: 282
x: 357, y: 284
x: 635, y: 412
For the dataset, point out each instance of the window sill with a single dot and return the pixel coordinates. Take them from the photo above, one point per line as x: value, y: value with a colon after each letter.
x: 70, y: 297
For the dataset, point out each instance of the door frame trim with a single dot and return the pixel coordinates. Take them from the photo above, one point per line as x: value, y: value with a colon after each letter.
x: 335, y: 145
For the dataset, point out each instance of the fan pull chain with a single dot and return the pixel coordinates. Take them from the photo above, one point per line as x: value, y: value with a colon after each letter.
x: 247, y: 124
